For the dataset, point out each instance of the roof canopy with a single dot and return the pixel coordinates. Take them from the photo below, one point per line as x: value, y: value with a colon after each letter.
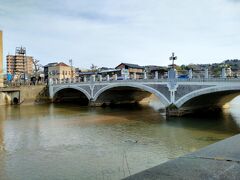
x: 136, y: 66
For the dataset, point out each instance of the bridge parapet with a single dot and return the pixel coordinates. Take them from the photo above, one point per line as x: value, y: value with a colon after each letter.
x: 78, y: 81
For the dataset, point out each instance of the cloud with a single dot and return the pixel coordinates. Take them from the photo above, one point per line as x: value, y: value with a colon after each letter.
x: 235, y: 1
x: 107, y: 32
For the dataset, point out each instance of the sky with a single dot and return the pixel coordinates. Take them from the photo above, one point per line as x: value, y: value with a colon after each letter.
x: 108, y: 32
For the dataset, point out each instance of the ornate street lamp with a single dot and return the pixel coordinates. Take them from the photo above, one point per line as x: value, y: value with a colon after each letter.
x: 173, y: 58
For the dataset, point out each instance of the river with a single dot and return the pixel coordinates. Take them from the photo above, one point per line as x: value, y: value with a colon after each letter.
x: 72, y: 142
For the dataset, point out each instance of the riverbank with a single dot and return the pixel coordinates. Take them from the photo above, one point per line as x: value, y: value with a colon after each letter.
x: 217, y: 161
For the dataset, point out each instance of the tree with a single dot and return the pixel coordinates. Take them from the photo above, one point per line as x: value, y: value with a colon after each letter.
x: 93, y: 67
x: 37, y: 66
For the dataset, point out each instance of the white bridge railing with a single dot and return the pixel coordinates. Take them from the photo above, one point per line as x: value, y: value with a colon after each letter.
x: 97, y: 81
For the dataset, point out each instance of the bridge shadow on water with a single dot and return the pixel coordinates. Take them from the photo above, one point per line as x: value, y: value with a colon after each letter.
x: 221, y: 121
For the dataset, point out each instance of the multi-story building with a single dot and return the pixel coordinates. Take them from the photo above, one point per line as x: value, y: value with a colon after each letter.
x: 1, y: 60
x: 59, y: 71
x: 20, y: 64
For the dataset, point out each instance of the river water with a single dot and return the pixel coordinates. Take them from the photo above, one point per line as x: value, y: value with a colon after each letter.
x: 72, y: 142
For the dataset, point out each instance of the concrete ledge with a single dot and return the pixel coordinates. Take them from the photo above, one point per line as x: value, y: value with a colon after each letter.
x: 217, y: 161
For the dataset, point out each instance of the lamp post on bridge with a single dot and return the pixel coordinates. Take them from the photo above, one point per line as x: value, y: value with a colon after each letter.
x: 172, y: 71
x: 173, y: 58
x: 172, y: 85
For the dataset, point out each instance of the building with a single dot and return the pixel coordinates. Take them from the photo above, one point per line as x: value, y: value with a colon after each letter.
x: 85, y: 75
x: 19, y: 64
x: 45, y: 69
x: 132, y: 69
x: 1, y: 60
x: 151, y: 70
x: 112, y: 73
x: 60, y: 71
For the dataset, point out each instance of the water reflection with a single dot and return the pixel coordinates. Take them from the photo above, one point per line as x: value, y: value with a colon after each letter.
x: 68, y: 142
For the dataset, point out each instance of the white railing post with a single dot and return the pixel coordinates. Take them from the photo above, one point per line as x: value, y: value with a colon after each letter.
x: 100, y: 77
x: 190, y: 74
x: 223, y: 73
x: 156, y: 75
x: 134, y: 76
x: 93, y: 78
x: 50, y: 81
x: 206, y: 73
x: 145, y: 75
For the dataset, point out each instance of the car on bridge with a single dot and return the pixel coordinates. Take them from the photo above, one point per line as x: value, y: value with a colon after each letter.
x: 183, y: 77
x: 118, y: 78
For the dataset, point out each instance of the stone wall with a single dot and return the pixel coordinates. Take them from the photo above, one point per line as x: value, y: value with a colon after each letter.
x: 4, y: 99
x: 34, y: 94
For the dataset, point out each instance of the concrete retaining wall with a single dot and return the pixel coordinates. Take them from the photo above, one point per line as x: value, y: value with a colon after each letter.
x: 4, y: 99
x: 34, y: 94
x: 28, y: 95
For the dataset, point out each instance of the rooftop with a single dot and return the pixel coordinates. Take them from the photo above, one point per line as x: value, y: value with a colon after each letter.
x: 131, y: 65
x: 56, y: 64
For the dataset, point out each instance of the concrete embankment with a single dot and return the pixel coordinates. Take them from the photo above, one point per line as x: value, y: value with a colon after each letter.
x: 4, y: 99
x: 217, y: 161
x: 24, y: 95
x: 34, y: 94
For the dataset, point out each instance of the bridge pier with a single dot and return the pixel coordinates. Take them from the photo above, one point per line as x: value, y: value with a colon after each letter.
x: 93, y: 103
x: 173, y: 111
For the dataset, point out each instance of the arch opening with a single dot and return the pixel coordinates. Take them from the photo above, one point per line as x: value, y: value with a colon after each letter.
x: 213, y: 102
x: 71, y: 96
x: 123, y: 95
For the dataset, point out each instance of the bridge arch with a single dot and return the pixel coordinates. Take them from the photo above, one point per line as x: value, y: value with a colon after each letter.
x: 217, y: 94
x: 80, y: 90
x: 148, y: 89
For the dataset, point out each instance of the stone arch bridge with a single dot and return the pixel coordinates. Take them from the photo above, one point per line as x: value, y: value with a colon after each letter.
x: 183, y: 96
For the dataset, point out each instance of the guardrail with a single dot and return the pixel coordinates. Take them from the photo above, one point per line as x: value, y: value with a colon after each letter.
x: 77, y: 81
